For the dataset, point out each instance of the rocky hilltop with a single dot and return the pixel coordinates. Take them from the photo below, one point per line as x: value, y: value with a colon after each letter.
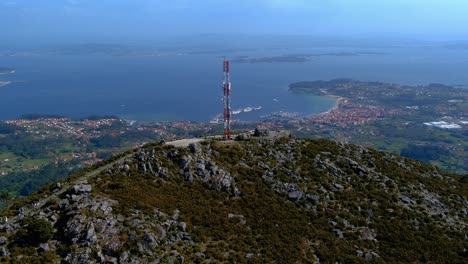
x: 254, y: 201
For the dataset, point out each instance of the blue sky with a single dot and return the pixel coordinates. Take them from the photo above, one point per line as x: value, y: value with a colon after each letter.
x: 150, y: 19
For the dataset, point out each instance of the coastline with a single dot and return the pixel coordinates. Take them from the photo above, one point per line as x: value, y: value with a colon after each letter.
x: 339, y: 101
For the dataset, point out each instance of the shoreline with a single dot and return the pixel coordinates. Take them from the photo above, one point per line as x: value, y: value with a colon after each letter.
x: 339, y: 100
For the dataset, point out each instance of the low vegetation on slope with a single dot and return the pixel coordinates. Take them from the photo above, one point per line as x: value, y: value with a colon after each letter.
x: 255, y: 201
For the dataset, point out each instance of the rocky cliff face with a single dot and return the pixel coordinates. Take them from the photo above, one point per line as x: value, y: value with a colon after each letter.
x: 260, y: 200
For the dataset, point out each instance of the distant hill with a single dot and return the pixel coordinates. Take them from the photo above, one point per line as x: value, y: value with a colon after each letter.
x: 255, y: 201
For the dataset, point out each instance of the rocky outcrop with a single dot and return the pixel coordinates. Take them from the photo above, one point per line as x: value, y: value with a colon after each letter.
x: 349, y: 190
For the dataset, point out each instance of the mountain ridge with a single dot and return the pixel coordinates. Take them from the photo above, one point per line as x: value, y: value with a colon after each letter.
x: 259, y: 200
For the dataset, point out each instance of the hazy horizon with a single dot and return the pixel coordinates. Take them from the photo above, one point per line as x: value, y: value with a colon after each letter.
x: 147, y: 21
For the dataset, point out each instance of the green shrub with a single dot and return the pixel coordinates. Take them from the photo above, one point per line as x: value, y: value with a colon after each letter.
x: 35, y: 232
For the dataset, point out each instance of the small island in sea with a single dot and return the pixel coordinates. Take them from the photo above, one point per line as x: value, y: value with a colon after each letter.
x: 298, y: 58
x: 4, y: 83
x: 6, y: 70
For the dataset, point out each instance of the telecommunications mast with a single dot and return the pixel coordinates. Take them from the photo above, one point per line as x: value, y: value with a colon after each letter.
x: 227, y: 101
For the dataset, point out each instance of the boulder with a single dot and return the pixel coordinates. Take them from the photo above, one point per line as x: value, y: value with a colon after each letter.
x: 185, y: 161
x: 44, y: 247
x: 91, y: 236
x: 295, y: 195
x: 148, y: 241
x: 182, y: 226
x: 313, y: 198
x: 405, y: 199
x: 195, y: 148
x: 338, y: 186
x: 3, y: 252
x: 82, y: 188
x: 338, y: 232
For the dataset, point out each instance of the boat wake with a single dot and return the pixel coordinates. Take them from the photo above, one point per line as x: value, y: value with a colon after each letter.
x: 218, y: 118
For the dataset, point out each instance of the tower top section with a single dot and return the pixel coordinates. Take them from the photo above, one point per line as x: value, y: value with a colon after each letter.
x: 226, y: 66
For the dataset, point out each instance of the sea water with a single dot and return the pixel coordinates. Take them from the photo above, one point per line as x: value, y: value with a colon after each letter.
x: 189, y: 87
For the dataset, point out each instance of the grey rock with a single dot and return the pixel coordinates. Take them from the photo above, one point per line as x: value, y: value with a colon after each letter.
x: 113, y: 244
x: 20, y: 214
x: 91, y: 236
x: 268, y: 175
x: 249, y: 255
x: 214, y: 169
x: 368, y: 234
x: 57, y: 187
x: 3, y: 252
x: 82, y: 188
x: 242, y: 137
x: 240, y: 217
x: 176, y: 215
x: 222, y: 182
x: 74, y: 198
x: 352, y: 163
x: 200, y: 167
x: 200, y: 255
x: 100, y: 257
x: 195, y: 148
x: 82, y: 257
x: 295, y: 195
x: 359, y: 253
x: 160, y: 232
x: 44, y: 247
x: 369, y: 257
x: 263, y: 166
x: 75, y: 227
x: 53, y: 219
x: 338, y: 186
x: 313, y: 198
x: 185, y: 161
x: 182, y: 226
x: 261, y: 132
x: 338, y: 232
x: 189, y: 176
x: 3, y: 240
x: 148, y: 241
x: 405, y: 199
x: 151, y: 169
x: 123, y: 258
x: 64, y: 203
x: 135, y: 222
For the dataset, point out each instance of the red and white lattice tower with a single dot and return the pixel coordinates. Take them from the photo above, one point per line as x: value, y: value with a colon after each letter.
x: 227, y: 101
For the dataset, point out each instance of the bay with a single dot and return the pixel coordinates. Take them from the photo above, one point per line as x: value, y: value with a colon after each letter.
x: 189, y: 87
